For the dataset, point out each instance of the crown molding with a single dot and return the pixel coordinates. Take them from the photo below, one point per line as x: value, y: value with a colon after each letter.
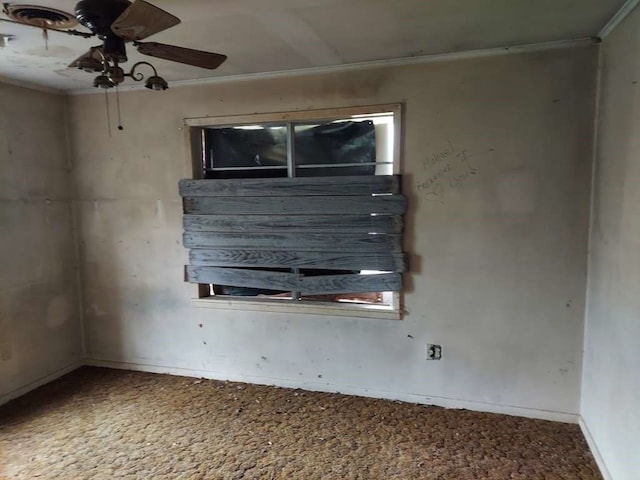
x: 396, y: 62
x: 619, y: 16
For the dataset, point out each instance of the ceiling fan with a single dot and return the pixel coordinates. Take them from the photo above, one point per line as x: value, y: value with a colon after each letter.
x: 116, y: 23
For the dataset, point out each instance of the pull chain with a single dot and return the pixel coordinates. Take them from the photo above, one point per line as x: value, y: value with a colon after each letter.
x: 120, y: 127
x: 106, y: 100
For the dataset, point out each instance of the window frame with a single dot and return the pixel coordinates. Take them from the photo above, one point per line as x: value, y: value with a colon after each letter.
x: 193, y: 169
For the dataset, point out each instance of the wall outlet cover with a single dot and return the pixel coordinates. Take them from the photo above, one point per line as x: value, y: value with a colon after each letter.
x: 433, y: 352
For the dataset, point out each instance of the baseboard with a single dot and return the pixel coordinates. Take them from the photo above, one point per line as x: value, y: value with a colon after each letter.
x: 346, y: 389
x: 7, y: 397
x: 594, y: 450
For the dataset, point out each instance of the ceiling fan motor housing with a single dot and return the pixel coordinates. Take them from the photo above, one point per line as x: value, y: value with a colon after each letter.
x: 97, y: 16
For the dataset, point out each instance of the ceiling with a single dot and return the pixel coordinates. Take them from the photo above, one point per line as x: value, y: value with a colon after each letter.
x: 276, y: 35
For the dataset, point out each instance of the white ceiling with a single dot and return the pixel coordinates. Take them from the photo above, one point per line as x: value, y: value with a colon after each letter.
x: 276, y: 35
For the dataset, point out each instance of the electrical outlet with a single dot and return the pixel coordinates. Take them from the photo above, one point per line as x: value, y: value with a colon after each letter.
x: 433, y: 352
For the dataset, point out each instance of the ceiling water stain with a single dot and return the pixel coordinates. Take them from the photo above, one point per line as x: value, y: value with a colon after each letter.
x: 53, y: 51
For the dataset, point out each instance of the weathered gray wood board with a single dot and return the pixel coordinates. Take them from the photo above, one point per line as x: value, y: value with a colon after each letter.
x: 323, y: 284
x: 234, y: 227
x: 348, y: 242
x: 294, y: 223
x: 323, y: 186
x: 229, y: 257
x: 295, y: 205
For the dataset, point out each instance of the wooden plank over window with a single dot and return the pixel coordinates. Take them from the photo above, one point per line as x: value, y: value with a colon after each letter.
x: 306, y: 285
x: 293, y: 223
x: 232, y: 257
x: 244, y: 232
x: 325, y: 242
x: 296, y: 205
x: 323, y: 186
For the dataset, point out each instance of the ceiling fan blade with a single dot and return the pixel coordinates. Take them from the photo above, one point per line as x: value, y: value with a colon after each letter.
x: 197, y: 58
x: 141, y: 20
x: 91, y: 60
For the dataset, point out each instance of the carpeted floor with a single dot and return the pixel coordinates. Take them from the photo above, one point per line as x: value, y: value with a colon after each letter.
x: 102, y: 424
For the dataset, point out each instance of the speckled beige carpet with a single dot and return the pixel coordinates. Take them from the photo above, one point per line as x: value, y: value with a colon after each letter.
x: 102, y: 424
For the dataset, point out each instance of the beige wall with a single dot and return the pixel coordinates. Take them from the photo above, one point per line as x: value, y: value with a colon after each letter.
x: 611, y: 382
x: 40, y: 331
x: 498, y: 261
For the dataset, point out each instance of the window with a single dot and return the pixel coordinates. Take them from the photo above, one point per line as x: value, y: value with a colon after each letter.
x: 296, y: 209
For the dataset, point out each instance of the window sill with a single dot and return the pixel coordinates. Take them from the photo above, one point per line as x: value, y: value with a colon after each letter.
x: 308, y: 308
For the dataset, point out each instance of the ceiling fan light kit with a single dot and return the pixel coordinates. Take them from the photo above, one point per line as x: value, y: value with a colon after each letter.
x: 115, y: 23
x: 103, y: 81
x: 156, y: 83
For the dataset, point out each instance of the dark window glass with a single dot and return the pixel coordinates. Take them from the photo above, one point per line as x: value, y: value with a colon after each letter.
x: 321, y: 148
x: 246, y: 153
